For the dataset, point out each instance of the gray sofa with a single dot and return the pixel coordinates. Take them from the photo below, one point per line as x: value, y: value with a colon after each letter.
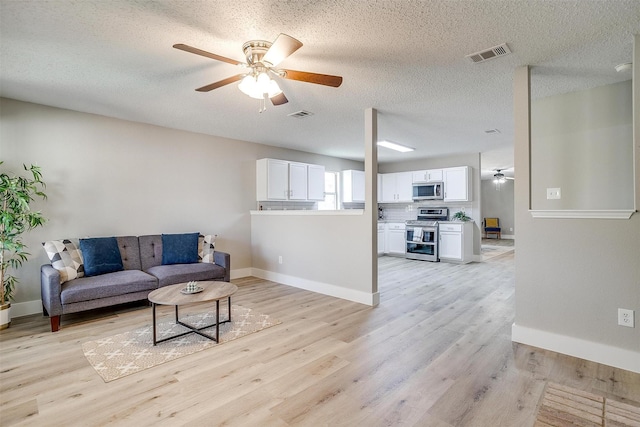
x: 143, y: 272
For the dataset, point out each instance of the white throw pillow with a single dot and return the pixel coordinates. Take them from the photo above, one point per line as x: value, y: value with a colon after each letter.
x: 206, y: 248
x: 66, y: 257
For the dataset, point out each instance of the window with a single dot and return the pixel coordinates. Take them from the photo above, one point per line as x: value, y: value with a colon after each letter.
x: 330, y: 192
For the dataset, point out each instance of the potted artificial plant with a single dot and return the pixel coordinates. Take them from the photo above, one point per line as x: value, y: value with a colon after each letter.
x: 16, y: 217
x: 461, y: 216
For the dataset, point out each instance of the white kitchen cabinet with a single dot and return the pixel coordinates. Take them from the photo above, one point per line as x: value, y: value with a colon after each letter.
x: 272, y: 179
x: 431, y: 175
x: 456, y: 241
x: 457, y: 184
x: 315, y: 182
x: 395, y: 238
x: 283, y: 180
x: 352, y: 186
x: 397, y: 187
x: 381, y: 238
x: 298, y: 181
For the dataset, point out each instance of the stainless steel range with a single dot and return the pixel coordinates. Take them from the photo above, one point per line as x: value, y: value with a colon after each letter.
x: 422, y: 233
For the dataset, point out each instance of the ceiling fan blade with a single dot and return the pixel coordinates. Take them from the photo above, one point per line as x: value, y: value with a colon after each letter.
x: 321, y: 79
x: 201, y: 52
x: 221, y: 83
x: 508, y: 177
x: 279, y: 99
x: 281, y: 48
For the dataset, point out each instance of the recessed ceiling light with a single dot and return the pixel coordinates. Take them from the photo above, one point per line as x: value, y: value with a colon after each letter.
x: 395, y: 146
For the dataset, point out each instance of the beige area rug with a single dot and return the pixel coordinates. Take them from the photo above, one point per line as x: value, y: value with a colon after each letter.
x: 130, y: 352
x: 565, y: 406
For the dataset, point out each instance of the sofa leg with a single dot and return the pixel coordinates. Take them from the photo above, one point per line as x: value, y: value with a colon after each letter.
x: 55, y: 323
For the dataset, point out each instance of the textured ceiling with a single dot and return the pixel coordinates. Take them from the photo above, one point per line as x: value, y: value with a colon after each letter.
x: 405, y: 58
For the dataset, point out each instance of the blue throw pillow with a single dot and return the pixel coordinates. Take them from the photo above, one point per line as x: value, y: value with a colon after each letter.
x: 180, y: 248
x: 100, y: 255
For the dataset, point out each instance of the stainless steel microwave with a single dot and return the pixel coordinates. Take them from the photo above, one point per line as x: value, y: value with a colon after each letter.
x: 429, y: 191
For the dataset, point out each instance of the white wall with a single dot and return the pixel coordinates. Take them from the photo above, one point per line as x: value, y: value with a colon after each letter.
x: 572, y: 275
x: 499, y: 204
x: 581, y: 142
x: 113, y: 177
x: 323, y: 253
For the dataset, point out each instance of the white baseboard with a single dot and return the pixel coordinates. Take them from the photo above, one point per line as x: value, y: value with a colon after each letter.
x: 583, y: 349
x: 241, y: 272
x: 19, y: 309
x: 319, y: 287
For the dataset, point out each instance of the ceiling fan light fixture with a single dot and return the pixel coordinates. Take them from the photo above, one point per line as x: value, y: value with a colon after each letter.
x: 395, y: 146
x: 259, y: 87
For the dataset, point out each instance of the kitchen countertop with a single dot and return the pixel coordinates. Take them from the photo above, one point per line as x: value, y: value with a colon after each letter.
x: 309, y: 212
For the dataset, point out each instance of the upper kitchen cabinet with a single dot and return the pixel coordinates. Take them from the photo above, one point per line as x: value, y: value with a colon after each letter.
x: 397, y: 187
x: 352, y: 186
x: 315, y: 182
x: 283, y: 180
x: 432, y: 175
x: 457, y: 184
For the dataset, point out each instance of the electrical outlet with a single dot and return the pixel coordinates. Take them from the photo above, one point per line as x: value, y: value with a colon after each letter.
x: 280, y: 259
x: 553, y: 193
x: 625, y: 317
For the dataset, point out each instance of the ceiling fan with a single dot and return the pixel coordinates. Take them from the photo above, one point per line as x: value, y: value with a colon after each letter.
x: 499, y: 177
x: 262, y: 57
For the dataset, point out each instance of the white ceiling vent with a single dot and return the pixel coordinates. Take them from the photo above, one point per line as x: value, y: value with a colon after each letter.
x: 301, y: 114
x: 488, y: 54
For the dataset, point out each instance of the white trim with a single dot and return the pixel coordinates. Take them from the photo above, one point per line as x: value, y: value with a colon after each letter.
x: 589, y: 350
x: 20, y: 309
x: 309, y: 212
x: 583, y: 214
x: 319, y: 287
x: 240, y: 272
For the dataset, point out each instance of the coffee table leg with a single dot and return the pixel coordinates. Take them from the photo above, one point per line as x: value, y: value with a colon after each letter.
x: 218, y: 321
x: 153, y: 309
x: 229, y: 299
x: 176, y: 313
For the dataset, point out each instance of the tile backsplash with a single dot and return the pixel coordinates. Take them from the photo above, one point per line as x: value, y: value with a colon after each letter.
x: 409, y: 211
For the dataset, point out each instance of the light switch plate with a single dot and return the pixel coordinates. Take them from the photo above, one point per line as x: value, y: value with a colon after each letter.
x: 553, y: 193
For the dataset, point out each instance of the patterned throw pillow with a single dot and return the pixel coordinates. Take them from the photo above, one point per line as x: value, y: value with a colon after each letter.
x: 206, y: 247
x: 66, y: 258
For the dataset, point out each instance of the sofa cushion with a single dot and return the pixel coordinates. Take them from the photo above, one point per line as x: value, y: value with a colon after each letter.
x: 129, y: 252
x: 206, y: 248
x: 107, y: 285
x: 180, y: 273
x: 66, y: 258
x: 179, y: 248
x: 101, y: 255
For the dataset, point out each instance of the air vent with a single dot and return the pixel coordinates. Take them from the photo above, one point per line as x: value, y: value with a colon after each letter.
x: 488, y: 54
x: 301, y: 114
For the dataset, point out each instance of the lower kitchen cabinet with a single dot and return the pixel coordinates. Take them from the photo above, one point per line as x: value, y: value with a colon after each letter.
x: 456, y: 241
x: 381, y: 238
x: 395, y: 238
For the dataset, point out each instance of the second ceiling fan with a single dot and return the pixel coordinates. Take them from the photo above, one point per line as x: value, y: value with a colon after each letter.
x: 261, y: 59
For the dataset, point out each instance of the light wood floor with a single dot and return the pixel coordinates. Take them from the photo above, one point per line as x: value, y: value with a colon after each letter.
x: 436, y: 352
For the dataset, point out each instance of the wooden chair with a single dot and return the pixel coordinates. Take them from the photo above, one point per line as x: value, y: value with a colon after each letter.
x: 492, y: 226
